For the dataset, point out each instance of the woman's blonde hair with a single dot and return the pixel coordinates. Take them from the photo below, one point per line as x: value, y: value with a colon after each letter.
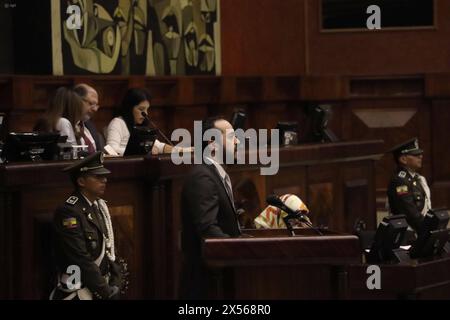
x: 64, y: 104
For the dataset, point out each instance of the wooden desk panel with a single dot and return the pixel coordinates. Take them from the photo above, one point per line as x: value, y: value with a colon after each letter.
x: 416, y: 280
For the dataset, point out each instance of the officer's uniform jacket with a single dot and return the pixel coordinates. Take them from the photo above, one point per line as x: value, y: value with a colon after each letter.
x: 409, y: 194
x: 81, y: 240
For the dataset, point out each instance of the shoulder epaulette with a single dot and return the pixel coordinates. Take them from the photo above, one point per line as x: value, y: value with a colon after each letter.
x: 72, y: 200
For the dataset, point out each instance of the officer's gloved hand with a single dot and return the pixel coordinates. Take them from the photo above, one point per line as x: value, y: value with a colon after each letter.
x: 114, y: 293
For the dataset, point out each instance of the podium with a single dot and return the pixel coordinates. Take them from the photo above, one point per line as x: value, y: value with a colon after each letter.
x: 272, y: 265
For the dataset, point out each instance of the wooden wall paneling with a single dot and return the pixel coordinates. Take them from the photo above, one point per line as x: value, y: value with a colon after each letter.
x: 386, y: 51
x: 126, y: 213
x: 376, y: 87
x: 263, y: 37
x: 136, y: 82
x: 440, y: 118
x: 185, y: 91
x: 257, y: 117
x: 111, y: 91
x: 437, y: 85
x: 207, y: 90
x: 280, y: 88
x: 287, y: 87
x: 36, y: 212
x: 324, y: 193
x: 267, y: 115
x: 163, y: 91
x: 393, y: 120
x: 42, y: 278
x: 326, y: 87
x: 288, y: 180
x: 228, y: 89
x: 439, y: 153
x: 156, y: 263
x: 245, y: 183
x: 249, y: 89
x: 184, y: 117
x: 357, y: 187
x: 174, y: 253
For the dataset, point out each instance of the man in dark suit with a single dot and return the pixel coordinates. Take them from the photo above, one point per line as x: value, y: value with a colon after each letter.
x: 84, y: 238
x: 408, y: 191
x: 93, y: 138
x: 207, y: 208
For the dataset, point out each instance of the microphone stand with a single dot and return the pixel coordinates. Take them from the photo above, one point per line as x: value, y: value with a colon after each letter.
x: 157, y: 129
x: 287, y: 222
x: 299, y: 217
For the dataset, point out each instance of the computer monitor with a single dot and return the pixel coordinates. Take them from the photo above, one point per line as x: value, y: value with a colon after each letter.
x: 320, y: 116
x: 432, y: 236
x: 288, y: 133
x: 435, y: 219
x: 141, y: 141
x: 388, y: 238
x: 30, y: 146
x: 238, y: 120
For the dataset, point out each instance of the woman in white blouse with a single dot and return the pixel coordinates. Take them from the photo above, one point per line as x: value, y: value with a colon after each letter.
x: 135, y: 103
x: 63, y: 114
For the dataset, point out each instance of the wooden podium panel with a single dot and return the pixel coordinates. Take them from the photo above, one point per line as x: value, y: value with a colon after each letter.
x: 273, y: 265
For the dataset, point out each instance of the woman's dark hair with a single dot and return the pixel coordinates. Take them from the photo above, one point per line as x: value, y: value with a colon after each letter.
x: 132, y: 98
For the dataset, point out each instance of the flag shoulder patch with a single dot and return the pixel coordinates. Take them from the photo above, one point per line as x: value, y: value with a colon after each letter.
x: 70, y: 223
x: 402, y: 190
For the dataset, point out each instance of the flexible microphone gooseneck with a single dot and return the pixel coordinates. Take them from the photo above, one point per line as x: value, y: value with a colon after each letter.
x: 167, y: 140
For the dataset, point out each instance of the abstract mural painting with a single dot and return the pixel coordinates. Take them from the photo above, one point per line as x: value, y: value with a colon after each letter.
x: 141, y: 37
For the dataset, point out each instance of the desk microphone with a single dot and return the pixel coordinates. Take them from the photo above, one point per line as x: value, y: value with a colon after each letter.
x: 275, y: 201
x: 147, y: 119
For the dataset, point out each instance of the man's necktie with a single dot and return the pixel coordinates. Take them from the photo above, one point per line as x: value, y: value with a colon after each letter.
x: 91, y: 148
x: 227, y: 183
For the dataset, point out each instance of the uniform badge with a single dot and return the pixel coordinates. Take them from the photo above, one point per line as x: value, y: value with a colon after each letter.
x: 402, y: 174
x: 72, y: 200
x: 402, y: 190
x: 70, y: 223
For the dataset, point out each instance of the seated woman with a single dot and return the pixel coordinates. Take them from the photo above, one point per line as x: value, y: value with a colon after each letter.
x: 130, y: 113
x: 63, y: 114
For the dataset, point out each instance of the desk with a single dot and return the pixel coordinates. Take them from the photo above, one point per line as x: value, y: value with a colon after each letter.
x: 426, y: 279
x: 335, y: 180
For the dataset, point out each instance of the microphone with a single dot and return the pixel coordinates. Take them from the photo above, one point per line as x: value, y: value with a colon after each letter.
x: 147, y: 119
x: 275, y: 201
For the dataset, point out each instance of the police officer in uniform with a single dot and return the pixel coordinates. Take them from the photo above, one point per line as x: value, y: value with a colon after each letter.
x: 408, y: 192
x: 84, y: 238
